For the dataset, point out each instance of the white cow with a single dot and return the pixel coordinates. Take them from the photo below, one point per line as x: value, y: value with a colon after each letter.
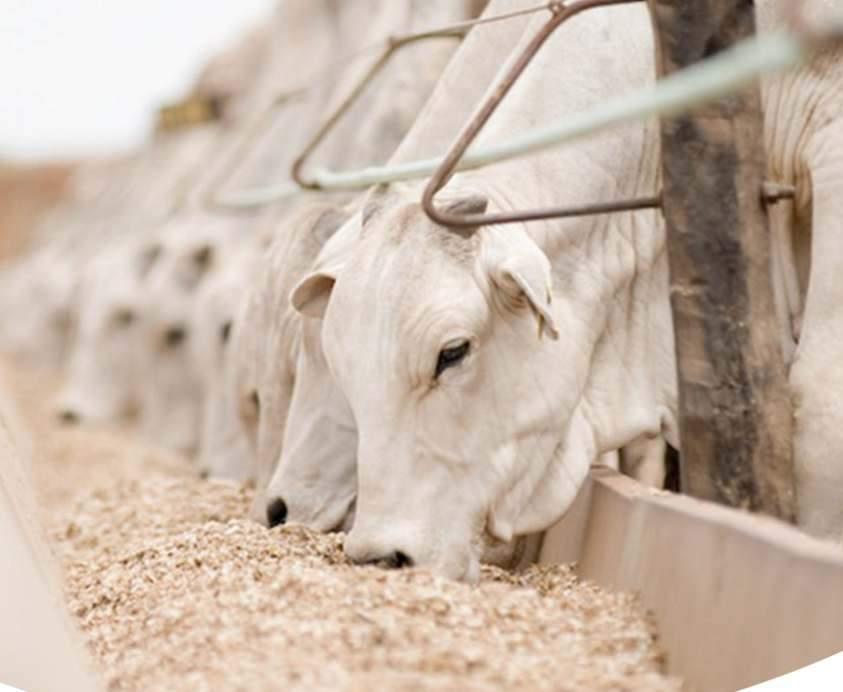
x: 171, y: 389
x: 315, y: 479
x: 224, y: 450
x: 104, y: 371
x: 267, y: 333
x: 36, y: 299
x: 486, y: 369
x: 296, y: 387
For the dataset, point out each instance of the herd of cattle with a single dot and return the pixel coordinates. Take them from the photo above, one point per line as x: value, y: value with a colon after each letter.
x: 439, y: 393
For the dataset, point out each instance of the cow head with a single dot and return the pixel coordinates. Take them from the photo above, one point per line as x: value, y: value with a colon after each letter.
x: 315, y: 479
x: 104, y: 379
x: 223, y: 447
x: 267, y: 335
x: 447, y: 349
x: 171, y: 391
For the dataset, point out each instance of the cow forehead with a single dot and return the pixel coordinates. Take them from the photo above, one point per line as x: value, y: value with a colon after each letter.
x: 406, y: 261
x: 404, y: 224
x: 402, y: 297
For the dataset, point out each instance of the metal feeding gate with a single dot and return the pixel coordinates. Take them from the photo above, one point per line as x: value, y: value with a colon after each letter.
x: 735, y: 415
x: 734, y: 410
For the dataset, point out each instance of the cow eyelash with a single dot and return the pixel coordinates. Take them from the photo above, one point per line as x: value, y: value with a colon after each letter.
x: 452, y: 356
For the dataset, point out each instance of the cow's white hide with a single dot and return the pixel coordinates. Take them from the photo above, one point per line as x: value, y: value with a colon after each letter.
x: 224, y: 450
x: 266, y: 335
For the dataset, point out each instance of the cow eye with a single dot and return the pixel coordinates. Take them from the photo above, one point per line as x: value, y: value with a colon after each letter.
x: 225, y: 332
x: 255, y: 404
x: 451, y: 356
x: 124, y: 317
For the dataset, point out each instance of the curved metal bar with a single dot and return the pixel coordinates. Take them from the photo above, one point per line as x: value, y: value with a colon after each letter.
x: 213, y: 199
x: 561, y: 14
x: 394, y: 44
x: 252, y: 197
x: 693, y: 86
x: 713, y: 78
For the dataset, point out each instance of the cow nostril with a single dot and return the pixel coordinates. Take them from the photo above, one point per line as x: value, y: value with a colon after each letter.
x: 276, y: 512
x: 399, y: 560
x: 394, y: 560
x: 68, y: 416
x: 175, y: 336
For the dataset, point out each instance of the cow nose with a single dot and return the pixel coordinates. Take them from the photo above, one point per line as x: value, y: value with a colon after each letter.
x: 397, y: 559
x: 276, y: 512
x: 67, y: 416
x: 175, y: 335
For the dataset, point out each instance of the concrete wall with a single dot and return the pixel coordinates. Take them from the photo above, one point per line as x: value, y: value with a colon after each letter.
x: 738, y: 598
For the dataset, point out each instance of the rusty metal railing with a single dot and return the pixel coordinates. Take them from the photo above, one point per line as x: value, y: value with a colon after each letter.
x: 258, y: 196
x: 713, y: 78
x: 560, y: 13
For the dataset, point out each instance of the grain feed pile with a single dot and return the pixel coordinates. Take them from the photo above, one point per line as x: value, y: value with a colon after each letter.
x: 174, y: 590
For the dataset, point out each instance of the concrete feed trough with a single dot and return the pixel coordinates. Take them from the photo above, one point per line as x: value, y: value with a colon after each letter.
x: 173, y: 588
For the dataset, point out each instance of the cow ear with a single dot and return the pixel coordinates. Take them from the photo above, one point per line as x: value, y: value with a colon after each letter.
x: 521, y: 271
x: 310, y: 297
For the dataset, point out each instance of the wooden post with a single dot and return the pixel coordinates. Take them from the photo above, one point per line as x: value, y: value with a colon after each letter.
x: 735, y: 411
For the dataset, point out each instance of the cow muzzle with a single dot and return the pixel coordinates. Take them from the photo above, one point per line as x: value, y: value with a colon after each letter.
x: 363, y: 552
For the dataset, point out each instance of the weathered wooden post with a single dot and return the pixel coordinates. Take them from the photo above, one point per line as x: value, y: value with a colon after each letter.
x: 734, y: 404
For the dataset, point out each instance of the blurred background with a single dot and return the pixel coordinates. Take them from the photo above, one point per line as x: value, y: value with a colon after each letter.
x: 84, y: 77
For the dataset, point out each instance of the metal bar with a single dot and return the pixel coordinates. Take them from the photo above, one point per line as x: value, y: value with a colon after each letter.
x: 213, y: 199
x: 561, y: 14
x: 393, y: 46
x: 713, y: 78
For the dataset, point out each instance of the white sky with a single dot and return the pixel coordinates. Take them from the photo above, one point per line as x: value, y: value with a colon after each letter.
x: 84, y: 77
